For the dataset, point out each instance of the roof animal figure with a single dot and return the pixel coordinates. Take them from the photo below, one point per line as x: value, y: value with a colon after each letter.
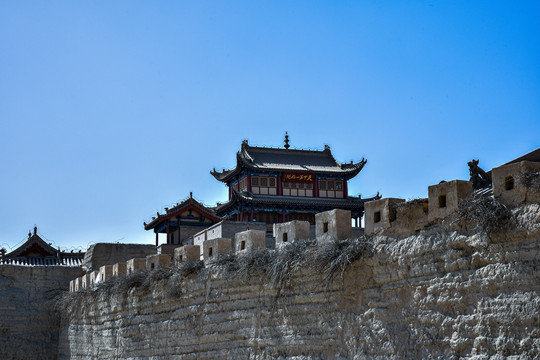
x: 479, y: 178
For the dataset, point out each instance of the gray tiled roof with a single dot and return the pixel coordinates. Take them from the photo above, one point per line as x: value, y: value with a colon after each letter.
x: 531, y: 156
x: 293, y: 160
x: 36, y: 261
x: 245, y: 197
x: 177, y: 209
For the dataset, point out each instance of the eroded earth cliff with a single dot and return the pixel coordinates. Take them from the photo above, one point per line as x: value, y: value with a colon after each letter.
x: 449, y: 291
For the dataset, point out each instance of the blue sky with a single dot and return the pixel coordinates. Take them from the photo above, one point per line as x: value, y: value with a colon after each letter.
x: 111, y: 110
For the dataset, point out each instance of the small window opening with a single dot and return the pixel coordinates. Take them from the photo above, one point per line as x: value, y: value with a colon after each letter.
x: 377, y: 217
x: 242, y: 245
x: 509, y: 183
x: 152, y: 265
x: 285, y: 237
x: 181, y: 258
x: 210, y: 252
x: 442, y: 201
x: 325, y: 227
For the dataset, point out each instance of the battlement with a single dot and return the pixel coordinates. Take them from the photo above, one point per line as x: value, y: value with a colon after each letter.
x: 513, y: 185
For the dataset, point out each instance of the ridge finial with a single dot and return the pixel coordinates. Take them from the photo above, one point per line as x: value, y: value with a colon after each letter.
x: 287, y: 146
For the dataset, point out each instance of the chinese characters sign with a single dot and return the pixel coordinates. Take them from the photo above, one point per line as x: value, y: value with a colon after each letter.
x: 299, y: 178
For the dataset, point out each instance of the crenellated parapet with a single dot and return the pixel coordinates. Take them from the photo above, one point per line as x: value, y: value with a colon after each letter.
x: 513, y: 185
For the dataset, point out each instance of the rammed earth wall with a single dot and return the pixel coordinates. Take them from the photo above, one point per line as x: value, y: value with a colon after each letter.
x: 28, y: 322
x: 437, y: 294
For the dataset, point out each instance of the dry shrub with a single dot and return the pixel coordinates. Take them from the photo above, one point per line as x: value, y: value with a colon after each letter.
x: 485, y: 213
x: 330, y: 259
x: 276, y: 267
x: 187, y: 268
x: 130, y: 281
x: 179, y: 273
x: 72, y: 303
x: 333, y: 257
x: 254, y: 262
x: 226, y: 261
x: 288, y: 260
x: 154, y: 276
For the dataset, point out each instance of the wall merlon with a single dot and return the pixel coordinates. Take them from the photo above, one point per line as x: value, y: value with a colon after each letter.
x: 105, y: 273
x: 508, y: 185
x: 291, y: 231
x: 85, y: 281
x: 411, y: 217
x: 444, y: 198
x: 135, y: 264
x: 119, y: 269
x: 380, y: 214
x: 187, y: 253
x: 92, y: 278
x: 215, y: 247
x: 167, y: 249
x: 225, y: 229
x: 158, y: 261
x: 333, y: 225
x: 249, y: 239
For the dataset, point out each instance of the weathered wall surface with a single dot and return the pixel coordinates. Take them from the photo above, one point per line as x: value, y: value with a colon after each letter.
x: 101, y: 254
x: 28, y: 323
x: 438, y: 294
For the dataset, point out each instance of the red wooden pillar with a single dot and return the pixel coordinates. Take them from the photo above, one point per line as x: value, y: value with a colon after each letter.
x: 316, y: 187
x: 279, y: 186
x: 168, y: 235
x: 248, y: 179
x: 345, y: 189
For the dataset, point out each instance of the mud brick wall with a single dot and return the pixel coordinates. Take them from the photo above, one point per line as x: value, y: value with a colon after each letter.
x: 28, y: 323
x: 436, y: 294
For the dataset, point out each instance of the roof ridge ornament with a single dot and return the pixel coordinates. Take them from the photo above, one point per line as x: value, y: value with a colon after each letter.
x: 286, y: 141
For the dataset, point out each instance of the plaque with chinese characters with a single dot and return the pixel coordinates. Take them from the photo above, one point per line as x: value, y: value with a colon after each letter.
x: 298, y: 177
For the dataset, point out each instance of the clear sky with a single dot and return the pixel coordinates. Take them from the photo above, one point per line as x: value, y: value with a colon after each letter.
x: 110, y: 110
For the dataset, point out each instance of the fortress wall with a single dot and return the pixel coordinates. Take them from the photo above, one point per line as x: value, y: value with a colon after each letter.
x: 438, y: 293
x: 28, y: 323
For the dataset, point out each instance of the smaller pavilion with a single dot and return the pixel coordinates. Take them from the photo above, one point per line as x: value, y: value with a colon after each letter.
x: 36, y: 251
x: 182, y: 221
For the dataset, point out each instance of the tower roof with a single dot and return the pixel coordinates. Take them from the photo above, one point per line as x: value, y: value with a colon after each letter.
x: 190, y: 202
x: 284, y: 159
x: 36, y: 251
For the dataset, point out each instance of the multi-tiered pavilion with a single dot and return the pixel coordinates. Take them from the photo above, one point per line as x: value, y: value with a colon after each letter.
x: 275, y: 185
